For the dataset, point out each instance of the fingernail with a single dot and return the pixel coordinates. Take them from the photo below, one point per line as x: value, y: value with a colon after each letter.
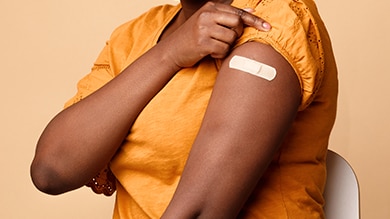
x: 266, y: 25
x: 249, y: 10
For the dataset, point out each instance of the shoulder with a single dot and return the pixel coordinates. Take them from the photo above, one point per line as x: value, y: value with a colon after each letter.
x: 296, y: 35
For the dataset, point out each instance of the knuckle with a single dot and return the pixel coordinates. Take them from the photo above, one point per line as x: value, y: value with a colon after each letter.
x: 237, y: 22
x: 240, y: 12
x: 234, y: 34
x: 209, y: 4
x: 200, y: 42
x: 255, y: 19
x: 204, y: 15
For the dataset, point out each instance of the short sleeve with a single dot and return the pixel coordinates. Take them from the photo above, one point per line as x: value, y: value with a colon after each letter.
x: 103, y: 183
x: 100, y: 74
x: 294, y: 35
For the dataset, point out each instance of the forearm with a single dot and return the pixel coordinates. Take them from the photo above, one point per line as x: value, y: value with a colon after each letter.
x: 84, y: 137
x: 80, y: 140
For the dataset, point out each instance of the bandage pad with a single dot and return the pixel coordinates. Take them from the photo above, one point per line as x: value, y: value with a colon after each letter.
x: 253, y: 67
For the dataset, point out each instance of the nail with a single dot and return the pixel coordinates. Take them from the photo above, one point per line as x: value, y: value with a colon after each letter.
x: 249, y: 10
x: 266, y: 25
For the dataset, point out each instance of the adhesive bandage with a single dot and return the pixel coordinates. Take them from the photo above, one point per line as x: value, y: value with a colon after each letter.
x: 253, y: 67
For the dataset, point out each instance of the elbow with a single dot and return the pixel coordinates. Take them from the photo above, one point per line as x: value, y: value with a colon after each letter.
x: 47, y: 179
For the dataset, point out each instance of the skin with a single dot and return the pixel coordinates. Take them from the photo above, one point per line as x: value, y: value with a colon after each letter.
x: 243, y: 127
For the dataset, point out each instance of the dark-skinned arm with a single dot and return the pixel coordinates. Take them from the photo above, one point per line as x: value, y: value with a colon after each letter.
x: 243, y: 127
x: 81, y: 140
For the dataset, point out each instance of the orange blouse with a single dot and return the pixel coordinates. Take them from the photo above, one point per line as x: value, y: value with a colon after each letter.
x: 148, y: 166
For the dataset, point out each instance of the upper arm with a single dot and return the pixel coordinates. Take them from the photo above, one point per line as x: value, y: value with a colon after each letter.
x: 243, y: 127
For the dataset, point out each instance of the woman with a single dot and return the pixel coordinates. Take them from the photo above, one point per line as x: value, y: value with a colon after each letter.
x: 180, y: 106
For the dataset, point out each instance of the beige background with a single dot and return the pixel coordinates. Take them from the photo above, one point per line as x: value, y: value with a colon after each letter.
x: 47, y: 45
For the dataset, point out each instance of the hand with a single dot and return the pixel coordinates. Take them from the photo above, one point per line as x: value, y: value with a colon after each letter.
x: 211, y: 31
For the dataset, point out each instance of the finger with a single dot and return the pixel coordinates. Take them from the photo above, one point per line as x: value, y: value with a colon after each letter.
x: 220, y: 50
x: 231, y: 22
x: 246, y: 16
x: 253, y: 20
x: 227, y: 35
